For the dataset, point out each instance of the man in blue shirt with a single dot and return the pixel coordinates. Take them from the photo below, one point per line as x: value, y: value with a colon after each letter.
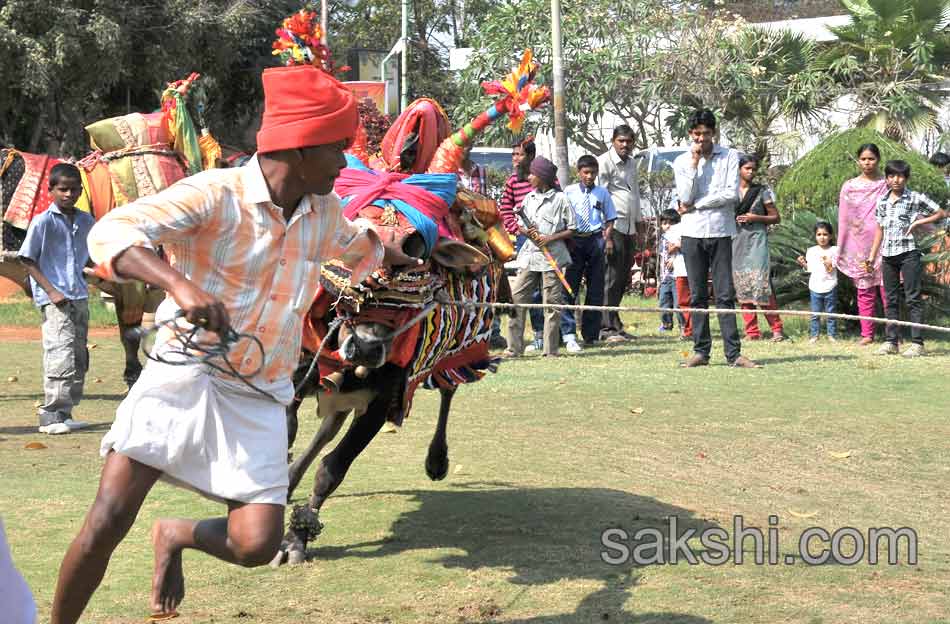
x: 594, y: 214
x: 54, y: 254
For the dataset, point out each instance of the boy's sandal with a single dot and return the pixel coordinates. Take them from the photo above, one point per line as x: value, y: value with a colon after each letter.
x: 508, y: 353
x: 162, y: 617
x: 778, y: 337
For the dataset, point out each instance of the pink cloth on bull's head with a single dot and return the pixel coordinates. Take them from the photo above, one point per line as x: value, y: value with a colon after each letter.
x: 368, y: 186
x: 856, y: 228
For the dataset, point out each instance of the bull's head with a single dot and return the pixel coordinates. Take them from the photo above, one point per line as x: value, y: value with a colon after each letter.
x: 381, y: 312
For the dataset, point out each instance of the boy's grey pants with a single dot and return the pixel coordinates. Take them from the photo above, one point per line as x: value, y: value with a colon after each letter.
x: 65, y: 358
x: 522, y: 290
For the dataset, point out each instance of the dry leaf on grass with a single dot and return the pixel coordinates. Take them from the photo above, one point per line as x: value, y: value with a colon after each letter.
x: 800, y: 514
x: 458, y: 469
x: 34, y: 446
x: 13, y: 379
x: 97, y: 380
x: 842, y: 455
x: 636, y: 410
x: 91, y: 346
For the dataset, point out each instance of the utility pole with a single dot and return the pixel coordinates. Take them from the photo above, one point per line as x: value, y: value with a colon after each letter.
x: 323, y: 21
x: 404, y: 77
x: 560, y: 120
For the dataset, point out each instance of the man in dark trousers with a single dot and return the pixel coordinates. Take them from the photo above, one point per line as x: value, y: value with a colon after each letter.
x: 707, y: 187
x: 617, y: 172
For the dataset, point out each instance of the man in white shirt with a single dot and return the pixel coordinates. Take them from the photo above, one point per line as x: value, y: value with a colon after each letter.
x: 707, y: 187
x: 617, y: 172
x: 15, y: 597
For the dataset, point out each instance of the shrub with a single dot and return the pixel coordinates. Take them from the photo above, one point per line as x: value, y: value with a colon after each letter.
x: 814, y: 182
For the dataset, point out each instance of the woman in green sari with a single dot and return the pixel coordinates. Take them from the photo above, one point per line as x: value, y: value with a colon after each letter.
x: 750, y: 251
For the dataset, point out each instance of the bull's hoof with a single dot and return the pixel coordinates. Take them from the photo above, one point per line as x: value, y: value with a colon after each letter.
x: 437, y: 465
x: 293, y: 550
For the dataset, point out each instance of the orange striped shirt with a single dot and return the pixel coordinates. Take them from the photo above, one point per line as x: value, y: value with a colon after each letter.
x: 222, y: 231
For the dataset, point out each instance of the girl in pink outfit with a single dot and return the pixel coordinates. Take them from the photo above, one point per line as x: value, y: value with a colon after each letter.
x: 856, y: 227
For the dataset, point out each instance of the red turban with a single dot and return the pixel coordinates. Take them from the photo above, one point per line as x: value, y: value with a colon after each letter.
x: 304, y: 106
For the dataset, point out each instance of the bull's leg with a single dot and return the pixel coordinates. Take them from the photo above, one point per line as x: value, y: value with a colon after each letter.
x: 131, y: 342
x: 305, y: 523
x: 329, y: 427
x: 437, y: 459
x: 334, y: 465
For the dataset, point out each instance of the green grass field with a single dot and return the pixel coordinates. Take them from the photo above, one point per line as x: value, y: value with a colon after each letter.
x: 546, y: 455
x: 19, y: 311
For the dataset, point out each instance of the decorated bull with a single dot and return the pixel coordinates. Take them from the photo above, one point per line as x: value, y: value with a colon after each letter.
x: 368, y: 347
x: 134, y: 155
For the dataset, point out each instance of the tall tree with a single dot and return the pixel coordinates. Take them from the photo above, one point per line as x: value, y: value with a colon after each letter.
x: 766, y: 85
x: 632, y: 60
x: 893, y: 56
x: 434, y: 27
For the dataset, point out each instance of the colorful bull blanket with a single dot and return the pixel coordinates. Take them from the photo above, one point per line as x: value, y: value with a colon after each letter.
x: 446, y: 348
x: 25, y: 194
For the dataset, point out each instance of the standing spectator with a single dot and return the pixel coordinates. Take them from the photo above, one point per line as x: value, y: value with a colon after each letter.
x: 898, y: 214
x: 856, y: 227
x: 669, y: 252
x: 618, y: 174
x: 594, y: 216
x: 707, y: 186
x: 512, y: 197
x: 55, y: 254
x: 471, y: 174
x: 674, y: 240
x: 820, y: 261
x: 751, y: 270
x: 551, y: 223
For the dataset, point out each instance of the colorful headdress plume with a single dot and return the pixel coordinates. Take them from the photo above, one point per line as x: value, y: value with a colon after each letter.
x: 520, y: 90
x: 519, y: 93
x: 300, y: 41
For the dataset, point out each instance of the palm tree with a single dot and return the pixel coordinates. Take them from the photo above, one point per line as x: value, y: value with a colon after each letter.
x: 764, y: 84
x: 892, y: 56
x: 771, y: 83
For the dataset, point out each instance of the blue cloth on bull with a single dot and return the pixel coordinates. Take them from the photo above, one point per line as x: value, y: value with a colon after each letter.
x: 442, y: 185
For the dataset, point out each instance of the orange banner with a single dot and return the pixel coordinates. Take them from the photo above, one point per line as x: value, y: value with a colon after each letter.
x: 375, y: 91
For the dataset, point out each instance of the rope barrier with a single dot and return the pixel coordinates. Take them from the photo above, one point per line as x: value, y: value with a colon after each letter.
x: 707, y: 311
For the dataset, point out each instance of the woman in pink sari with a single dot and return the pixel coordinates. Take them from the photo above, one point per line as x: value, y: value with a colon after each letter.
x: 856, y: 228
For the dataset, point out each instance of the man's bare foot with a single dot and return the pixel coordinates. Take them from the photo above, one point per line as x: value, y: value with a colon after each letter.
x: 168, y: 580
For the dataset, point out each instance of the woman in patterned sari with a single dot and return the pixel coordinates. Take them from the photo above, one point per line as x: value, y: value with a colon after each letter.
x: 750, y: 251
x: 856, y: 227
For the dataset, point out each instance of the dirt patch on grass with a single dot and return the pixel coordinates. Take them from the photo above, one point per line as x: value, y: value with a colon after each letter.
x: 28, y: 334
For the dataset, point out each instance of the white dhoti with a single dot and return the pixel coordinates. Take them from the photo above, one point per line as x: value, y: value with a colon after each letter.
x: 208, y: 434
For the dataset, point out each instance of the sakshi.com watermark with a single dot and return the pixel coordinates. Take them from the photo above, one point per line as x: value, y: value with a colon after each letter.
x: 751, y: 544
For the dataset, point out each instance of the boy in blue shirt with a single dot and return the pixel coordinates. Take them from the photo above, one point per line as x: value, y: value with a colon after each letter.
x: 54, y: 254
x: 594, y: 216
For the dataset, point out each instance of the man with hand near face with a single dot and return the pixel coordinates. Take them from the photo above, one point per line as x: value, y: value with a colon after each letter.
x: 707, y: 187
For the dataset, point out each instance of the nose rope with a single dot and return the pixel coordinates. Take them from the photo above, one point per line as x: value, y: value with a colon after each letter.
x: 331, y: 328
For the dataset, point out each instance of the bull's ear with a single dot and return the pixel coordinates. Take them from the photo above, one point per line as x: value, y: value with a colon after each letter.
x: 457, y: 255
